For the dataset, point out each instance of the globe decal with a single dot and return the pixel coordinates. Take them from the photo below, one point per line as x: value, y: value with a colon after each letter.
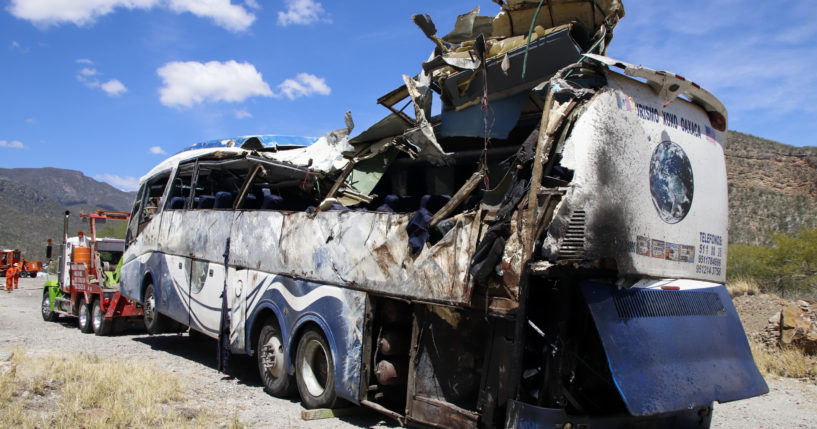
x: 671, y: 182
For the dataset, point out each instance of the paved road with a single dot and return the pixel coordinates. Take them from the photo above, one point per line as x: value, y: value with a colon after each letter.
x: 790, y: 404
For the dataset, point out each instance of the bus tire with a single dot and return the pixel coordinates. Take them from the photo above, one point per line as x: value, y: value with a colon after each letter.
x: 48, y: 314
x: 155, y: 322
x: 315, y: 371
x: 101, y: 326
x: 270, y: 356
x: 85, y: 317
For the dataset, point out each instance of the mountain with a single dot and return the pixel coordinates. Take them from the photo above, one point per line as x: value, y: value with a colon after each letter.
x: 71, y: 188
x: 772, y: 188
x: 33, y: 201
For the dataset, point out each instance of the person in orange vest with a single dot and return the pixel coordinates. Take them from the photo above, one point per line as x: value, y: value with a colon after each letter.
x: 11, y: 277
x: 17, y: 273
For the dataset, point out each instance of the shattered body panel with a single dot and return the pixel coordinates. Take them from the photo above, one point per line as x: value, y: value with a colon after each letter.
x: 366, y: 251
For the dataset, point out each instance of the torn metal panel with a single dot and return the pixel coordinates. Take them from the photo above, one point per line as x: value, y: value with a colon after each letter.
x: 669, y: 86
x: 369, y: 253
x: 516, y: 15
x: 390, y: 126
x: 423, y: 137
x: 469, y: 26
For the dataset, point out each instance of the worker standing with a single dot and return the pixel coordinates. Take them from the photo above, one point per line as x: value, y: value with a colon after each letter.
x: 11, y: 276
x: 17, y: 271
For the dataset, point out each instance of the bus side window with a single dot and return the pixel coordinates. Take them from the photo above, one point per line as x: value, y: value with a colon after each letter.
x: 134, y: 219
x: 179, y: 197
x: 151, y: 201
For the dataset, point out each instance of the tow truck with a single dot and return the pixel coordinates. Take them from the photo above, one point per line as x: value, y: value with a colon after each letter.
x: 87, y: 284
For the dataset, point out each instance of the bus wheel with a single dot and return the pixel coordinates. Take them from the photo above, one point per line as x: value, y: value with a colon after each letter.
x: 314, y: 371
x: 100, y: 325
x: 155, y: 323
x: 85, y: 318
x: 48, y: 314
x: 270, y: 357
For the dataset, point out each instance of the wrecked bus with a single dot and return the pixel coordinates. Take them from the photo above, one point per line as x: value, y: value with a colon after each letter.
x: 550, y: 249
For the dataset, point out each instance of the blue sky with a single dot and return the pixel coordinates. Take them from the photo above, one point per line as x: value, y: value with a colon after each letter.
x: 111, y: 87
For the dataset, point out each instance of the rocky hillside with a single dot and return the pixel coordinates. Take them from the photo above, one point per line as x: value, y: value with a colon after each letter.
x: 772, y: 188
x: 33, y: 200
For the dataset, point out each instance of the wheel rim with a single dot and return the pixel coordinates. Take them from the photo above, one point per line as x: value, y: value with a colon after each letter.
x: 97, y: 317
x: 314, y: 368
x: 46, y: 308
x: 83, y: 316
x: 149, y: 305
x: 273, y: 356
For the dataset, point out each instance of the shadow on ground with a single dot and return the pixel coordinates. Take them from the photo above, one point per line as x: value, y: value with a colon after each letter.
x: 244, y: 368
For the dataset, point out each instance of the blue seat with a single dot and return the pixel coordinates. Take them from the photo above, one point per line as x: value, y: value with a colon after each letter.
x: 272, y: 202
x: 224, y: 200
x: 251, y: 202
x: 206, y: 201
x: 178, y: 203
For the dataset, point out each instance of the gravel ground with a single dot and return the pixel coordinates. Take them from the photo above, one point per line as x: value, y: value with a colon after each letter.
x: 790, y: 404
x: 21, y: 325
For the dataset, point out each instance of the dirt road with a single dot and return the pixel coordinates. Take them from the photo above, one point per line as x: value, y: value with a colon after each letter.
x: 790, y: 403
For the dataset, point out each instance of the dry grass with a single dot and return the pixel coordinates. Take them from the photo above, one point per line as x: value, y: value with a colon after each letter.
x: 784, y: 362
x: 743, y: 286
x: 71, y: 391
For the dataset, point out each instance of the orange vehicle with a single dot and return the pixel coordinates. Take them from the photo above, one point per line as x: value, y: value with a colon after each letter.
x: 27, y: 269
x: 7, y: 259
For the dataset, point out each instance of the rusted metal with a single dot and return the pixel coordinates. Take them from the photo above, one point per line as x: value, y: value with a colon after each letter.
x: 440, y: 414
x: 543, y: 146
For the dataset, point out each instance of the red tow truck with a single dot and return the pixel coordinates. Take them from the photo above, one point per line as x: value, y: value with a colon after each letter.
x: 87, y: 286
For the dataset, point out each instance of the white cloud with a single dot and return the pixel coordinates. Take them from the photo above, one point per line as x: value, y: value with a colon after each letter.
x: 189, y: 83
x: 45, y: 13
x: 223, y: 12
x: 114, y: 88
x: 252, y: 4
x: 302, y: 12
x: 14, y: 144
x: 79, y: 12
x: 31, y: 120
x: 123, y: 183
x: 304, y: 85
x: 157, y: 150
x: 242, y: 114
x: 84, y: 61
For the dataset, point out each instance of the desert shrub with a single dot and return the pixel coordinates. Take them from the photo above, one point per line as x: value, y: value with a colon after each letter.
x: 787, y: 267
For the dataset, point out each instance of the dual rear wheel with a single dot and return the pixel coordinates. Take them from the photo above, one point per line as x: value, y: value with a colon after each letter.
x: 92, y: 318
x: 314, y: 367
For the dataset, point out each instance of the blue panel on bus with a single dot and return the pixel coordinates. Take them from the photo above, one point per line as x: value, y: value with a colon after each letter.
x: 671, y: 350
x: 338, y: 311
